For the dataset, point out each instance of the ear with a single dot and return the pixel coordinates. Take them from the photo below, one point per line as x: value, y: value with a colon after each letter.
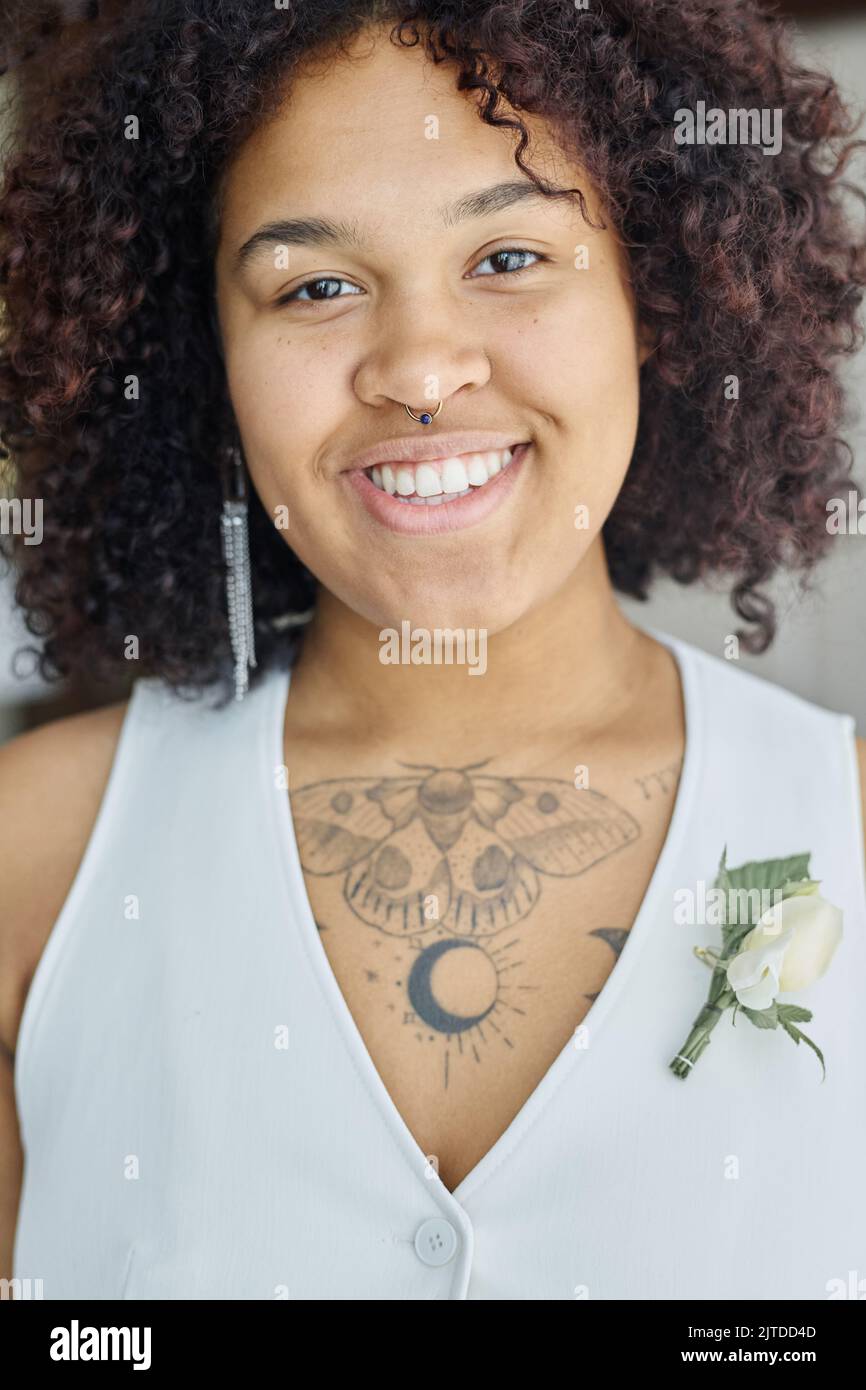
x: 647, y: 340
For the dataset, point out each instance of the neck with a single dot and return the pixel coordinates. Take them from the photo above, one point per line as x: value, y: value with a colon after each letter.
x: 574, y: 662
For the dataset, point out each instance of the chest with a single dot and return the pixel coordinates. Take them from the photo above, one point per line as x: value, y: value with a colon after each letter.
x: 471, y: 940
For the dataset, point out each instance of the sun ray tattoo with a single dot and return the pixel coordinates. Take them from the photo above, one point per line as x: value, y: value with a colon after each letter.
x: 447, y: 859
x: 661, y: 780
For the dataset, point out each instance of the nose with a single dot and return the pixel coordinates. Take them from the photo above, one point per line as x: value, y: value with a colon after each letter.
x: 419, y: 369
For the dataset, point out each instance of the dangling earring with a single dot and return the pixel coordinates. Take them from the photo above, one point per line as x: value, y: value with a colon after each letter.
x: 236, y: 553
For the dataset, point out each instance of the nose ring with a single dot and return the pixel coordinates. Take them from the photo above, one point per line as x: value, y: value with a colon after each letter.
x: 425, y: 417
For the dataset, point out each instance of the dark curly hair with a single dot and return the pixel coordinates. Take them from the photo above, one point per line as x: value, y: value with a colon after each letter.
x: 742, y: 264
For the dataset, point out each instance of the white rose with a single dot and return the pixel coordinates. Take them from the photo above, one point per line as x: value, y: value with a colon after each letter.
x: 791, y: 946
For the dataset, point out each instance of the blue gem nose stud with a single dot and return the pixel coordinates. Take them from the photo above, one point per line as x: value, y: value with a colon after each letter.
x: 425, y: 418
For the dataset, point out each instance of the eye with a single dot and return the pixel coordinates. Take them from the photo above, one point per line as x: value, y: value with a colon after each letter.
x: 294, y: 295
x: 318, y: 294
x: 508, y: 252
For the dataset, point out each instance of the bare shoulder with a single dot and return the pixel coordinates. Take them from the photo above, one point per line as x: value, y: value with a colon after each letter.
x: 52, y: 780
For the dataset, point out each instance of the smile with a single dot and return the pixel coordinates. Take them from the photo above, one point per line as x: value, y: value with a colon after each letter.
x: 436, y: 481
x: 438, y: 496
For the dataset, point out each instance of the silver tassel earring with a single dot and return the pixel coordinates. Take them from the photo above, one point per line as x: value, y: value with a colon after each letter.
x: 236, y: 553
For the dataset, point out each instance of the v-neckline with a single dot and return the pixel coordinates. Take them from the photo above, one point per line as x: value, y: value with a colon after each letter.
x: 292, y: 877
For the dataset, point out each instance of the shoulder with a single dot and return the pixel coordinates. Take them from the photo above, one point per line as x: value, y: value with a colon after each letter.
x: 52, y: 781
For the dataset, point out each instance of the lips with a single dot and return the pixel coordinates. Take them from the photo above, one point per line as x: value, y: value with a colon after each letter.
x: 433, y: 447
x: 418, y: 509
x: 438, y: 480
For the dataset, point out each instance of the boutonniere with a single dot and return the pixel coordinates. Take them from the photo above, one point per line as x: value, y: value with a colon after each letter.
x: 765, y: 952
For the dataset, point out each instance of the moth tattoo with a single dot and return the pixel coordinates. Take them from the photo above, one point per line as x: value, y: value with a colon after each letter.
x: 457, y: 856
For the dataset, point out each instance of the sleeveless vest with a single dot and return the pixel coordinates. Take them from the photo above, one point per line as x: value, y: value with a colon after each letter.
x: 174, y: 1151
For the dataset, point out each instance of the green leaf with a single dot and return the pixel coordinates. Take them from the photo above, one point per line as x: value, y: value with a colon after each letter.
x: 768, y: 873
x: 799, y: 1037
x: 795, y: 1012
x: 762, y: 1018
x: 761, y: 878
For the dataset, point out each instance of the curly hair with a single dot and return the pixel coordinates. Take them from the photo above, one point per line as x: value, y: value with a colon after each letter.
x: 742, y: 265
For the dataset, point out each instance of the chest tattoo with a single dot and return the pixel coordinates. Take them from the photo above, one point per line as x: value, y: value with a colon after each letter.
x: 445, y: 866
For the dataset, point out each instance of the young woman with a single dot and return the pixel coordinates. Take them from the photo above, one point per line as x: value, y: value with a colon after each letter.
x: 348, y: 958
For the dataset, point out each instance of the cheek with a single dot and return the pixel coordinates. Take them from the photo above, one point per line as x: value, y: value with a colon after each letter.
x: 579, y: 366
x: 575, y: 360
x: 286, y: 405
x: 280, y: 376
x: 286, y: 401
x: 276, y: 388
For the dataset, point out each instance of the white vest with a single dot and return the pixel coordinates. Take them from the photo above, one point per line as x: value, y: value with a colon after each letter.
x: 174, y: 1149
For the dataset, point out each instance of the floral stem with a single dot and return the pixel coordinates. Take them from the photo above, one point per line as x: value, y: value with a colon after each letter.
x: 702, y: 1028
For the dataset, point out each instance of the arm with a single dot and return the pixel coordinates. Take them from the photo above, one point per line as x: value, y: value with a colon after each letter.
x: 11, y: 1164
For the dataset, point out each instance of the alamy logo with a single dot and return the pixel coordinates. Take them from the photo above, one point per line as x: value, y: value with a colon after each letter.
x: 438, y: 646
x: 19, y: 518
x: 735, y: 127
x: 20, y: 1289
x: 719, y: 907
x: 76, y: 1343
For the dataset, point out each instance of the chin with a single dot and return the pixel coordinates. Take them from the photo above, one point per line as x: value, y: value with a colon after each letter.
x: 469, y: 612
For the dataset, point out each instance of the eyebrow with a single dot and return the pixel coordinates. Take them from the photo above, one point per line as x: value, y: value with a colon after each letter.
x: 322, y: 231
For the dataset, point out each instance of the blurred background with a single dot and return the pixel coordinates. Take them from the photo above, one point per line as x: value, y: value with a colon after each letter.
x: 820, y: 649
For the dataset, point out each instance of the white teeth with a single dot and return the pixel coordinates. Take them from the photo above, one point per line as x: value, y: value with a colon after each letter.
x: 476, y: 470
x: 454, y: 478
x: 493, y: 464
x: 429, y: 484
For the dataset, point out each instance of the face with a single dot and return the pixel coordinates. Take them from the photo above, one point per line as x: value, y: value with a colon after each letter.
x: 511, y: 310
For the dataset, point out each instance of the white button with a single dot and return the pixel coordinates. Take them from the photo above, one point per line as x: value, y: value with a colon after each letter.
x: 435, y: 1241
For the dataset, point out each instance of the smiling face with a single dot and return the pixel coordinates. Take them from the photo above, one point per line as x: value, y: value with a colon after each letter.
x: 442, y: 280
